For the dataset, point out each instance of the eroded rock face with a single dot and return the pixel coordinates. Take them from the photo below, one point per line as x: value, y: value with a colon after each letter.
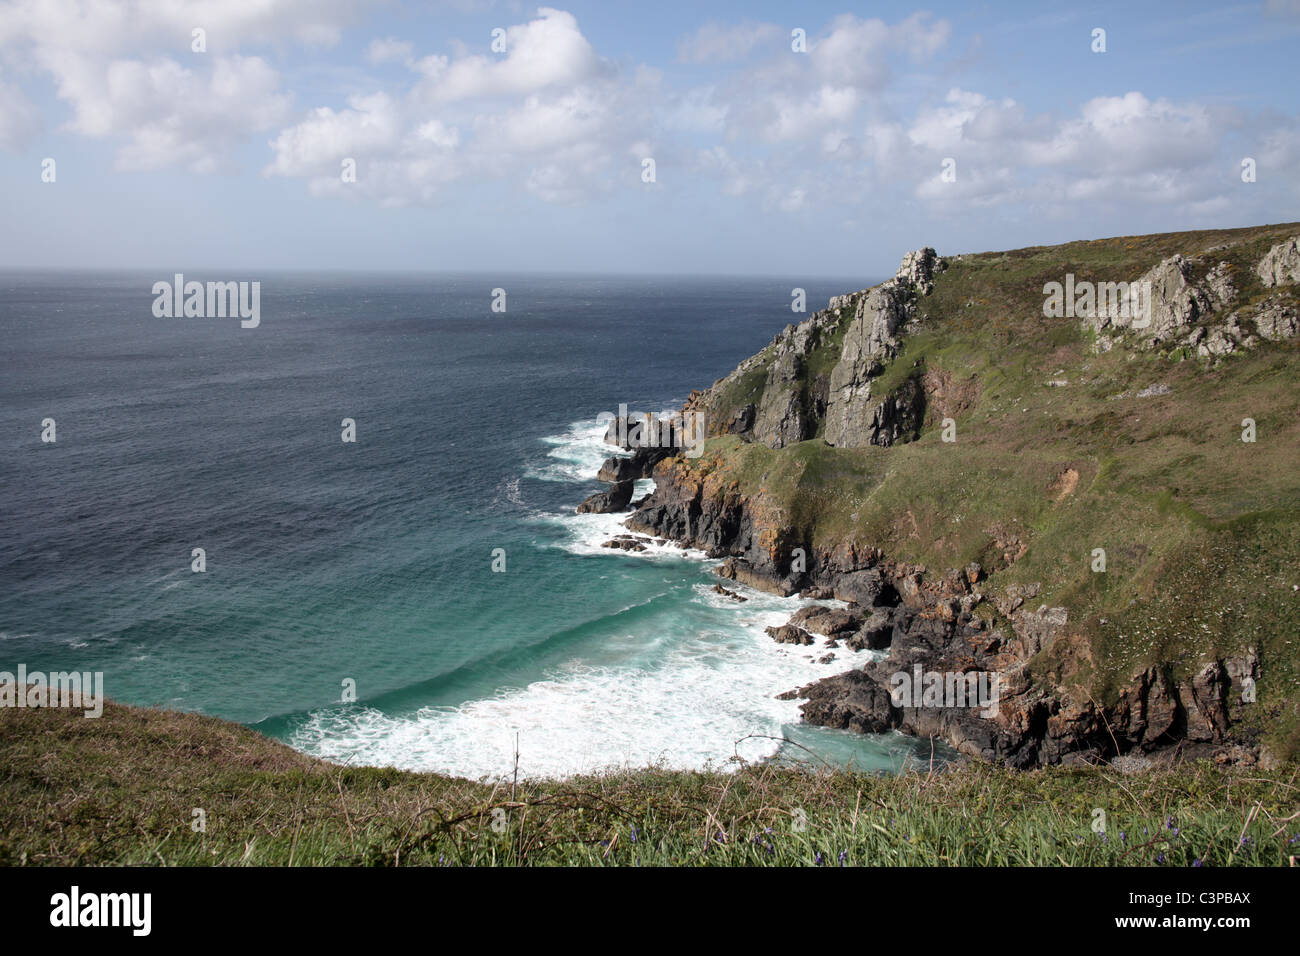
x: 869, y: 339
x: 1174, y: 303
x: 1277, y: 320
x: 781, y: 418
x: 1202, y: 316
x: 1029, y: 723
x: 792, y: 404
x: 898, y: 416
x: 866, y: 586
x: 1281, y: 264
x: 854, y: 417
x: 918, y: 269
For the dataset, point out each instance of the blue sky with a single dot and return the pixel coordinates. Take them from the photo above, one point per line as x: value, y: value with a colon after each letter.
x: 766, y: 160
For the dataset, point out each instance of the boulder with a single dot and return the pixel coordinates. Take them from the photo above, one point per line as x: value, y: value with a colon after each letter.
x: 605, y: 502
x: 875, y: 633
x: 867, y: 588
x: 789, y: 634
x: 626, y: 542
x: 619, y: 469
x: 719, y: 589
x: 826, y: 620
x: 850, y: 701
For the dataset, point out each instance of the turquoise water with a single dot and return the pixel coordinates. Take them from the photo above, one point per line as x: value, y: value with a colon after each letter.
x: 371, y: 563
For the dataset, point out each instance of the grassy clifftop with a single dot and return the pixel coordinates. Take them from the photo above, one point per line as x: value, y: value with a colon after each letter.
x: 1064, y: 447
x: 124, y: 788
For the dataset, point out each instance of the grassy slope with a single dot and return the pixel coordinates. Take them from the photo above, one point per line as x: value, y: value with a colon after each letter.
x: 122, y: 790
x: 1201, y: 531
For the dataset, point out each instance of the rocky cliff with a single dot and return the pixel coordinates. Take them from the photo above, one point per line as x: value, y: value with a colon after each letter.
x: 1098, y: 508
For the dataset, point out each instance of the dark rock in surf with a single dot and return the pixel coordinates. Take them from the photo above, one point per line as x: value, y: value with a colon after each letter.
x: 617, y: 498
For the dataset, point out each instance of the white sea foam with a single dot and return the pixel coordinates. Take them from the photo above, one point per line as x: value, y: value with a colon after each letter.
x: 586, y: 534
x: 705, y: 691
x: 507, y: 492
x: 576, y: 454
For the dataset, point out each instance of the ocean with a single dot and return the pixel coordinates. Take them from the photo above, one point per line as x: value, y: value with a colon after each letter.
x: 332, y: 565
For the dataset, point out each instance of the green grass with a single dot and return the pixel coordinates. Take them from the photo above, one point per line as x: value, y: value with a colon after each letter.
x: 122, y: 790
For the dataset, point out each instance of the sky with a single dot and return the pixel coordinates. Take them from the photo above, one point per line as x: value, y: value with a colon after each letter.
x: 668, y: 137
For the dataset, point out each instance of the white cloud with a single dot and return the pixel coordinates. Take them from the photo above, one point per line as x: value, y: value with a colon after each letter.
x: 857, y: 52
x: 318, y: 145
x: 548, y: 114
x: 127, y: 69
x: 545, y: 53
x: 1117, y: 149
x: 803, y: 118
x: 542, y: 124
x: 794, y: 97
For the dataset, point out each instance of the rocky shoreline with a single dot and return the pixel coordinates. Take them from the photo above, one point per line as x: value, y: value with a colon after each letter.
x: 924, y: 621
